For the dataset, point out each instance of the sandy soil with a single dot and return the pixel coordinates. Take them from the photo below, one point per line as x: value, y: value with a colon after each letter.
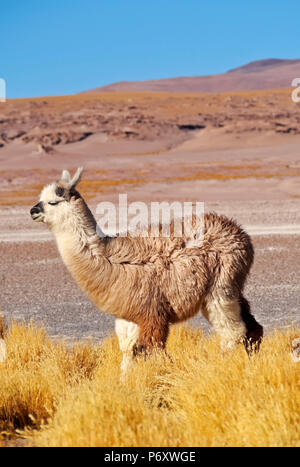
x: 154, y: 145
x: 244, y: 162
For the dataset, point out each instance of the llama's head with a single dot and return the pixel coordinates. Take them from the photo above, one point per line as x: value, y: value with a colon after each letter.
x: 57, y: 200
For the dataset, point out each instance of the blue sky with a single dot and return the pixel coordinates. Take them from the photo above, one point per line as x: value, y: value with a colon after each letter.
x: 66, y: 46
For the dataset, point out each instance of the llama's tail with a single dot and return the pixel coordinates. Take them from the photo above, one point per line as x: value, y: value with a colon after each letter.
x: 255, y: 331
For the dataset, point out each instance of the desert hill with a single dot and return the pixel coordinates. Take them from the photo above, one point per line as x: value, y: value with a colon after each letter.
x: 258, y: 75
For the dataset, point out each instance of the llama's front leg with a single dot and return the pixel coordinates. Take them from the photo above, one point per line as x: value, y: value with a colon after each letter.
x: 234, y: 323
x: 128, y: 334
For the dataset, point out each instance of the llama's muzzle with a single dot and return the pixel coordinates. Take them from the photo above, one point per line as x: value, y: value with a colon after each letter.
x: 36, y: 211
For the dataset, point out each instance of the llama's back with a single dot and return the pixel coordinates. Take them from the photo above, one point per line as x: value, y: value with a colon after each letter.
x: 224, y: 235
x: 214, y: 235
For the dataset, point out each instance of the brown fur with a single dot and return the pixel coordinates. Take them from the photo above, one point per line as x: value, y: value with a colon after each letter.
x: 2, y: 328
x: 154, y: 282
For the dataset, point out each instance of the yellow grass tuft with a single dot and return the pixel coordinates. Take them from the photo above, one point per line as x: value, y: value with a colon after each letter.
x: 60, y: 396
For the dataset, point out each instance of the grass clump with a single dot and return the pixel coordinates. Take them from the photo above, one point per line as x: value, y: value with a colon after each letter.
x: 72, y: 396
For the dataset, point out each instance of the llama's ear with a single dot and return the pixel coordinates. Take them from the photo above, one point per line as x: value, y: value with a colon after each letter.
x: 76, y: 179
x: 65, y: 176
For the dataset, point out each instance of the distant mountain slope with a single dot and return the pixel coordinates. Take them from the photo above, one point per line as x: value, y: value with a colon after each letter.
x: 261, y: 74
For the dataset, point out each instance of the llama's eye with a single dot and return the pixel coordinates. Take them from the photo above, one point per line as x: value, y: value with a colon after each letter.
x: 53, y: 203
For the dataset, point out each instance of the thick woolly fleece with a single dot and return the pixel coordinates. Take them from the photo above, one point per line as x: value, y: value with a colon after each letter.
x: 151, y: 282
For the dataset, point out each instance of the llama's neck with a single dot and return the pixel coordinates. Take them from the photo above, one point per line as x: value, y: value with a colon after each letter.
x: 81, y: 248
x: 78, y: 233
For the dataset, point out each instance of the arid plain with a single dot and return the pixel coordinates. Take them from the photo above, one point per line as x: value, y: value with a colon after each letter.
x: 237, y: 152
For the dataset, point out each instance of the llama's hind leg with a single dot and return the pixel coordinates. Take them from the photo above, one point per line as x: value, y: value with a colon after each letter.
x: 128, y: 334
x: 254, y: 332
x: 232, y: 320
x: 225, y: 316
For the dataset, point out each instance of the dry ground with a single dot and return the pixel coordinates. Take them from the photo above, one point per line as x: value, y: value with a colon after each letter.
x: 155, y: 146
x: 146, y: 142
x: 237, y: 152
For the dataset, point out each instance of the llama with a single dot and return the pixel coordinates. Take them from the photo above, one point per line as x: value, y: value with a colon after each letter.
x: 149, y: 283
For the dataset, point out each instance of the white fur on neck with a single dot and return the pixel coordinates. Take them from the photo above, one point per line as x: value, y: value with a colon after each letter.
x: 74, y: 237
